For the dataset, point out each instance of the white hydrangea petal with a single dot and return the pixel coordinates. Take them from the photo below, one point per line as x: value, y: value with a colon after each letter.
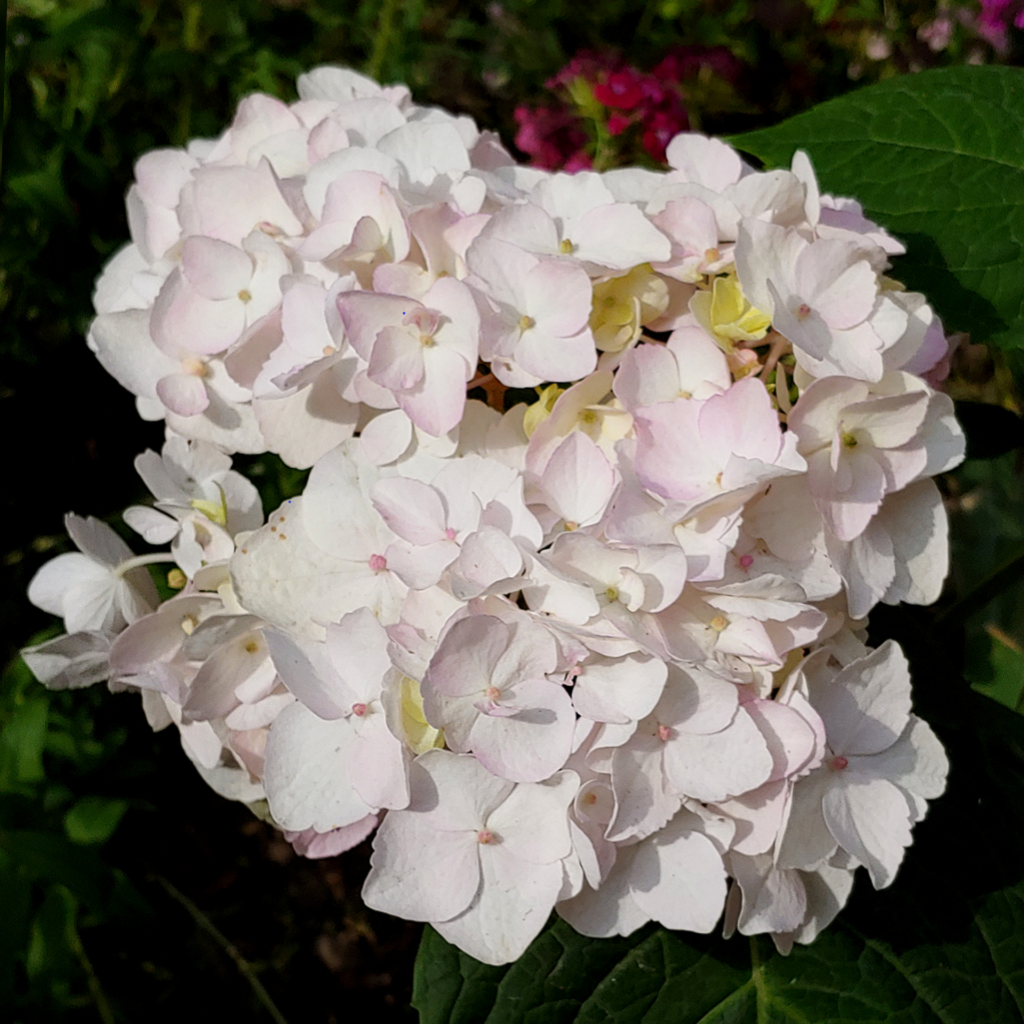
x: 307, y: 772
x: 679, y: 880
x: 870, y: 819
x: 513, y: 905
x: 866, y: 706
x: 916, y: 761
x: 69, y: 662
x: 421, y: 874
x: 610, y: 910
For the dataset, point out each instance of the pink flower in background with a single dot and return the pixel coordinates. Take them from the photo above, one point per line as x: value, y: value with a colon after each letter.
x: 622, y: 90
x: 995, y: 19
x: 550, y: 136
x: 603, y: 88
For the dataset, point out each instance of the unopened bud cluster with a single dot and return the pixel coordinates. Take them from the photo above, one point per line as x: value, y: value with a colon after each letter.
x: 608, y: 471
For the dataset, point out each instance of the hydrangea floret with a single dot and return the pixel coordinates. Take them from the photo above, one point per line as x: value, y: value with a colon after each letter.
x: 608, y: 471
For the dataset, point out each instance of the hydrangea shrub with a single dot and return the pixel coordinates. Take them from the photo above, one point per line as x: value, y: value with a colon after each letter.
x: 607, y: 473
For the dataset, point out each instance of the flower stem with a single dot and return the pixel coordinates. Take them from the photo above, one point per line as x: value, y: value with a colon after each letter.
x: 382, y: 38
x: 139, y: 560
x: 243, y: 965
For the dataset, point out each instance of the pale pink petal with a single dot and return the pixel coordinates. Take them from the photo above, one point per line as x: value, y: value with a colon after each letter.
x: 619, y: 236
x: 420, y: 874
x: 488, y: 557
x: 715, y: 766
x: 532, y: 744
x: 305, y: 671
x: 48, y: 588
x: 578, y: 480
x: 774, y: 899
x: 454, y: 792
x: 306, y: 773
x: 313, y: 844
x: 215, y: 269
x: 556, y: 358
x: 558, y: 297
x: 396, y: 362
x: 183, y: 394
x: 437, y: 403
x: 364, y: 314
x: 611, y: 910
x: 532, y: 823
x: 378, y: 764
x: 386, y: 437
x: 466, y: 658
x: 412, y: 509
x: 512, y: 907
x: 213, y: 691
x: 619, y: 689
x: 805, y: 840
x: 647, y: 375
x: 357, y: 647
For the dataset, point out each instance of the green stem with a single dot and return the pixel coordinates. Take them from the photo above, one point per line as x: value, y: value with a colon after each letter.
x: 243, y: 965
x: 140, y: 560
x: 643, y: 27
x: 99, y: 997
x: 382, y: 38
x: 603, y: 152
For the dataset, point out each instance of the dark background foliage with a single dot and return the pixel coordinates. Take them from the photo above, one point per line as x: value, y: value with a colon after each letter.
x: 128, y: 890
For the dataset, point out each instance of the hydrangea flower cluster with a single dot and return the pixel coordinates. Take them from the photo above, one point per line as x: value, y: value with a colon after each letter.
x: 600, y: 651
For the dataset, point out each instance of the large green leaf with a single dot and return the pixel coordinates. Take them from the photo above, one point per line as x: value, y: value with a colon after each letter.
x: 938, y: 159
x: 943, y: 945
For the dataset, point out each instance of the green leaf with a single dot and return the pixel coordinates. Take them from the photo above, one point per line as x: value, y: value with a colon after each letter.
x: 51, y: 948
x: 21, y: 744
x: 1001, y: 671
x: 823, y: 9
x: 937, y: 158
x: 50, y: 858
x: 93, y: 819
x: 43, y: 191
x: 661, y: 977
x: 943, y: 945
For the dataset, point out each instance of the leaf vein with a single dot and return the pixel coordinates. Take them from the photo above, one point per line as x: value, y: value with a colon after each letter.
x: 894, y: 961
x: 995, y: 964
x: 717, y: 1009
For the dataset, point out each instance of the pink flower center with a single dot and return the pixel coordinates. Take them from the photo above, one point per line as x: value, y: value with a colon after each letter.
x: 746, y: 561
x: 493, y: 693
x: 664, y: 733
x: 450, y: 533
x: 839, y: 763
x: 359, y: 710
x: 378, y: 563
x: 484, y: 837
x: 803, y: 311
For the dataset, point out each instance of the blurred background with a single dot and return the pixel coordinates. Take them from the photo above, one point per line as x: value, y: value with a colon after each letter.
x: 128, y: 890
